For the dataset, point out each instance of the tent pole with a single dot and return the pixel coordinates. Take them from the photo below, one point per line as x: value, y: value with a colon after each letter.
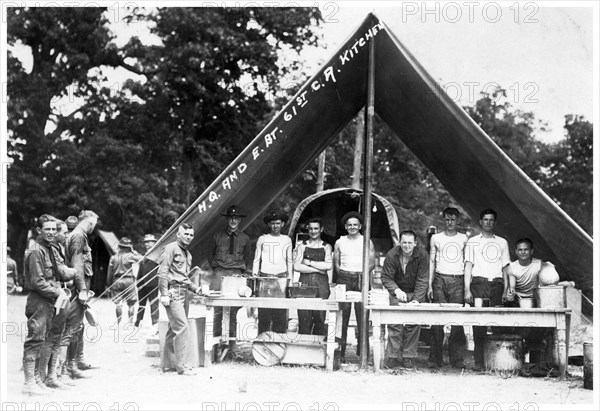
x: 367, y: 190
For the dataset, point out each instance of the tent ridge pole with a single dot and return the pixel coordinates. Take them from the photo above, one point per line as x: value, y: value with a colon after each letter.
x: 368, y: 201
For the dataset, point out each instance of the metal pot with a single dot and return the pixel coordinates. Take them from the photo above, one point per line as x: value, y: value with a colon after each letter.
x: 272, y: 287
x: 526, y: 302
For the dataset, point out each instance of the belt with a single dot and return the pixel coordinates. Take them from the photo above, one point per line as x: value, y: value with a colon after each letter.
x: 479, y: 278
x: 450, y: 275
x: 351, y: 272
x: 278, y: 275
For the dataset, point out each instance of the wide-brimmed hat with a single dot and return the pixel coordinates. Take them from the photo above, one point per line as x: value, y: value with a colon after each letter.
x: 149, y: 237
x: 352, y: 214
x: 275, y: 215
x: 233, y: 211
x: 125, y: 242
x: 71, y: 222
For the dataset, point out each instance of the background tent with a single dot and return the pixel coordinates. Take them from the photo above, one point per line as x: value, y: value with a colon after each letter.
x: 103, y: 245
x: 465, y: 160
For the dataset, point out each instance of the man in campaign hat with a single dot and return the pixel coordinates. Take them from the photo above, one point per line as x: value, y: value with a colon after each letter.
x: 148, y: 286
x: 121, y: 277
x: 230, y: 255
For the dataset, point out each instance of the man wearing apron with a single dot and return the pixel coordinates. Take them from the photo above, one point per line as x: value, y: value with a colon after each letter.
x: 313, y: 260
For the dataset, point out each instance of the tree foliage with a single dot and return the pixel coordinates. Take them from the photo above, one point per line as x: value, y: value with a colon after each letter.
x: 140, y: 154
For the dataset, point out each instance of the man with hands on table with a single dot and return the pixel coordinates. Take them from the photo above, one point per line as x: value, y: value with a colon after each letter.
x: 174, y: 280
x: 486, y: 274
x: 405, y: 275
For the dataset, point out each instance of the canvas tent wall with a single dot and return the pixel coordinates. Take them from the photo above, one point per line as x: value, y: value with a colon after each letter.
x: 467, y: 162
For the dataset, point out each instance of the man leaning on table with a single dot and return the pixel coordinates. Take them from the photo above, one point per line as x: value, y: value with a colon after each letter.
x: 486, y: 273
x: 405, y: 275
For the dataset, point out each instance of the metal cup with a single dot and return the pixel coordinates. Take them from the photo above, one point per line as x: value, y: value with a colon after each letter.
x: 478, y: 302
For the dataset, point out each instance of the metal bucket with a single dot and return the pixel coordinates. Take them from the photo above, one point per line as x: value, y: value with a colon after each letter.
x: 552, y: 296
x: 588, y: 365
x: 503, y: 352
x: 526, y: 302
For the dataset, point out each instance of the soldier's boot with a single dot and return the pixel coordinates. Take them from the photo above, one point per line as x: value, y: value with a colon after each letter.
x: 38, y: 379
x: 43, y: 361
x: 61, y: 373
x: 29, y: 386
x: 82, y: 364
x: 52, y: 378
x: 73, y: 371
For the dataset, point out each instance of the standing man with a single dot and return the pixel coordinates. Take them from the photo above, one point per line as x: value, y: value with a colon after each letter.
x: 13, y: 274
x: 447, y: 285
x: 79, y: 257
x: 41, y: 269
x: 486, y: 273
x: 148, y: 286
x: 71, y: 223
x: 121, y: 279
x: 405, y: 275
x: 174, y: 281
x: 348, y: 264
x: 313, y: 260
x: 230, y: 256
x: 273, y: 259
x: 49, y: 356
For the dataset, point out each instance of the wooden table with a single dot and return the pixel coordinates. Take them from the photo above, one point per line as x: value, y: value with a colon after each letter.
x: 557, y: 318
x: 334, y: 319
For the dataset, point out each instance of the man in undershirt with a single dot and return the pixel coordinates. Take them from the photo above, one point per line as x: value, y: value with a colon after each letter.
x: 446, y: 285
x: 348, y: 263
x: 273, y: 258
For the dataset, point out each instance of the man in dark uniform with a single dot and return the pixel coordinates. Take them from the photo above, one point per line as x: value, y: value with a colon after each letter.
x: 148, y: 286
x: 42, y: 267
x: 79, y: 256
x: 313, y: 259
x: 230, y: 255
x: 121, y: 279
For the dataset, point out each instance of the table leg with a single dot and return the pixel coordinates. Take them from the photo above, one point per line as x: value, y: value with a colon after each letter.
x: 225, y: 325
x: 208, y: 336
x: 560, y: 344
x: 378, y: 343
x: 332, y: 320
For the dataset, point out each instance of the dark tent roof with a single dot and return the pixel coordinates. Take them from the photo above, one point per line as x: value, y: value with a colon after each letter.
x: 465, y: 160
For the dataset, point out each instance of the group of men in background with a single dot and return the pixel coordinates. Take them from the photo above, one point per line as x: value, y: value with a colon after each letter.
x: 57, y: 273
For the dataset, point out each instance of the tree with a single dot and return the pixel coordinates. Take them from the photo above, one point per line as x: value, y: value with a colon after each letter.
x: 140, y: 154
x: 570, y: 171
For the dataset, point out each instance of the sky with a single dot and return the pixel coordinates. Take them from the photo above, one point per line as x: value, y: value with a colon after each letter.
x: 543, y: 56
x: 541, y: 53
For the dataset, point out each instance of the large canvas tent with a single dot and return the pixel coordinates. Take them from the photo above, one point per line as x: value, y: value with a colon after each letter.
x: 465, y: 160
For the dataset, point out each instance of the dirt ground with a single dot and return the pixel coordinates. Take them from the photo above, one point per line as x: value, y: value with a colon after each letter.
x: 128, y: 380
